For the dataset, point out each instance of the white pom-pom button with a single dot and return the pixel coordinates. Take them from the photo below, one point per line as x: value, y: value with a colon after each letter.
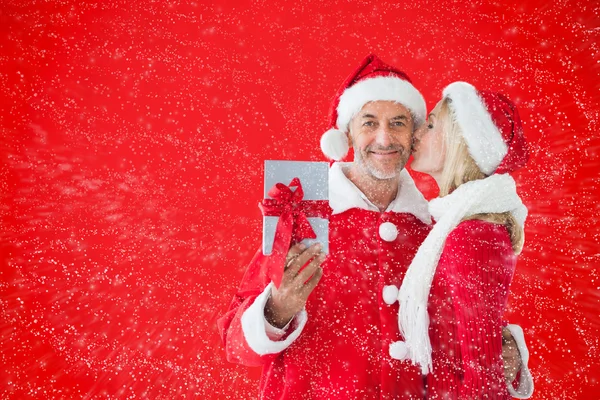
x: 399, y: 351
x: 390, y: 294
x: 388, y: 231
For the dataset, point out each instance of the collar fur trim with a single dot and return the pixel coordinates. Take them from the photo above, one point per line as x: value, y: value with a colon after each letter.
x: 344, y: 195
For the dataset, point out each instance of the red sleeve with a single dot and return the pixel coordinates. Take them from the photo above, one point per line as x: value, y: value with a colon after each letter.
x: 230, y: 327
x: 481, y: 261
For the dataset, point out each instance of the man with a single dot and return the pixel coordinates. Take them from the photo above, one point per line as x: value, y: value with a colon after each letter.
x: 335, y: 344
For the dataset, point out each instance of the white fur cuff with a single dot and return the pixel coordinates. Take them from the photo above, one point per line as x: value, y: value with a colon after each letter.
x: 525, y: 389
x: 253, y: 326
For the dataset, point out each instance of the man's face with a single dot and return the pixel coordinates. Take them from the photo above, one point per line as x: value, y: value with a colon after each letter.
x: 381, y: 134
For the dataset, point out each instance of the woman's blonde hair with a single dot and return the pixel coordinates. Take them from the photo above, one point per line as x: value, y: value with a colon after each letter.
x: 459, y: 167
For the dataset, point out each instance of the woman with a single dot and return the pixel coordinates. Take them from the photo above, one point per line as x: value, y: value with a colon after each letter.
x: 455, y: 290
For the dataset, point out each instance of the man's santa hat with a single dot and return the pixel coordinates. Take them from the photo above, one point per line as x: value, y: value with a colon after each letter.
x: 373, y: 80
x: 491, y: 127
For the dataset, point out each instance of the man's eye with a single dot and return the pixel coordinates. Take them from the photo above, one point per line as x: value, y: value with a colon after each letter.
x: 397, y: 123
x: 368, y: 123
x: 430, y: 126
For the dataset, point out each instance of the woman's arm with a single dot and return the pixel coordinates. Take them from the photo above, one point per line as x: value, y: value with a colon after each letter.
x: 481, y: 264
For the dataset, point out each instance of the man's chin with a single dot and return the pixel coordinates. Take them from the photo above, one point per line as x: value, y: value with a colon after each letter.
x: 384, y: 173
x: 380, y: 171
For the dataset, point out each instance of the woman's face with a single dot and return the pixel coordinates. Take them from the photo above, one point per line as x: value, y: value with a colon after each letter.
x: 429, y: 151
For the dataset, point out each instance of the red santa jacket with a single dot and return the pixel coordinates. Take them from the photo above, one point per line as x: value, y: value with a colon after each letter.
x: 337, y: 348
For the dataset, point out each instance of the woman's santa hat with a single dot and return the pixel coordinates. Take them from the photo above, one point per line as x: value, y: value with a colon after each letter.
x: 373, y: 80
x: 491, y: 127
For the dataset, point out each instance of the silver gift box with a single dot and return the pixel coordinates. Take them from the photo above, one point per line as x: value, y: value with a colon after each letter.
x: 314, y: 177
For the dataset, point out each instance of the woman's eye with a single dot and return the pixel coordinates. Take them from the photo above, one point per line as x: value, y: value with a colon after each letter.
x: 430, y: 126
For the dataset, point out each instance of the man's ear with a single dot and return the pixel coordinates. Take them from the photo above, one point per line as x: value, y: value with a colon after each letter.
x: 349, y: 139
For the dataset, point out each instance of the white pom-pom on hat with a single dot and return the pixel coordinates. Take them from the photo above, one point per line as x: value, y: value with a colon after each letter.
x: 390, y: 294
x: 334, y: 144
x: 399, y: 350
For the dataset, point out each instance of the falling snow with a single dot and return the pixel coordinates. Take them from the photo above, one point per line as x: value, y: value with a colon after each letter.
x: 132, y: 140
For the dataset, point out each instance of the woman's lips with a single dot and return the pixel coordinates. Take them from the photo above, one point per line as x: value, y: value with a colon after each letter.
x: 415, y: 145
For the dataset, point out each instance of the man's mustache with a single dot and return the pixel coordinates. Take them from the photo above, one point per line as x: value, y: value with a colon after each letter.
x: 398, y: 148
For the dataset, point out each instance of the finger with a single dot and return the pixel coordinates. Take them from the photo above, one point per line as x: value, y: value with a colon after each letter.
x: 302, y: 259
x: 310, y: 269
x: 312, y: 282
x: 294, y: 252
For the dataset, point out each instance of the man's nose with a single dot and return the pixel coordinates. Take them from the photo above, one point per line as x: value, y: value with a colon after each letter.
x: 383, y: 136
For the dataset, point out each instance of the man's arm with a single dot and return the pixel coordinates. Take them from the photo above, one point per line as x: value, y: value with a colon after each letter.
x: 247, y: 338
x: 510, y: 356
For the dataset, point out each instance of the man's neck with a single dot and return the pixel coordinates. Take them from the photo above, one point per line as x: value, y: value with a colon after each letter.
x: 380, y: 192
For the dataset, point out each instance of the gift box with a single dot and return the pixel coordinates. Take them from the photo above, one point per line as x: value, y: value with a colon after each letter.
x: 295, y: 208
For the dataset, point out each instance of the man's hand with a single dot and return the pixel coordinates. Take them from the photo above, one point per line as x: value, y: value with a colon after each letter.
x: 296, y: 285
x: 510, y: 355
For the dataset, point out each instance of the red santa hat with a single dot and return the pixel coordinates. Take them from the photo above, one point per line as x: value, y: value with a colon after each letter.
x: 491, y: 127
x: 373, y: 80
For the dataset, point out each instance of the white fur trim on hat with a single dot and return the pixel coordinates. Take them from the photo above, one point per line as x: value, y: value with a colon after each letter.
x: 334, y: 144
x: 483, y: 138
x: 381, y: 88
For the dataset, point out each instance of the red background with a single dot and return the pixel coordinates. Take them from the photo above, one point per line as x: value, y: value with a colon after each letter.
x: 133, y: 136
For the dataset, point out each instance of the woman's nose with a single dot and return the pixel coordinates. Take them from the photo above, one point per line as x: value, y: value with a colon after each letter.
x: 419, y: 133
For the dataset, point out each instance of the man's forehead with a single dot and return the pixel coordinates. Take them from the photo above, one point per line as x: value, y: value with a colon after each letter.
x: 385, y: 107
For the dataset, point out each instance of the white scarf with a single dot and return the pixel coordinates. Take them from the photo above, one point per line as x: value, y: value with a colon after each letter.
x: 494, y: 194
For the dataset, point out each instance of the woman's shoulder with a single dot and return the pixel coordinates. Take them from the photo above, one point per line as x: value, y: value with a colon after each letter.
x: 477, y: 230
x: 474, y: 242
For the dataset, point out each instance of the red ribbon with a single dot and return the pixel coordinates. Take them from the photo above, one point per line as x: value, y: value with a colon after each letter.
x: 293, y: 225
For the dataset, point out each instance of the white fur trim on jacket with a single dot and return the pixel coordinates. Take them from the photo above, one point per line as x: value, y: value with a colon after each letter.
x: 344, y: 195
x: 253, y: 326
x: 525, y: 389
x: 383, y: 88
x: 495, y: 194
x: 483, y: 138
